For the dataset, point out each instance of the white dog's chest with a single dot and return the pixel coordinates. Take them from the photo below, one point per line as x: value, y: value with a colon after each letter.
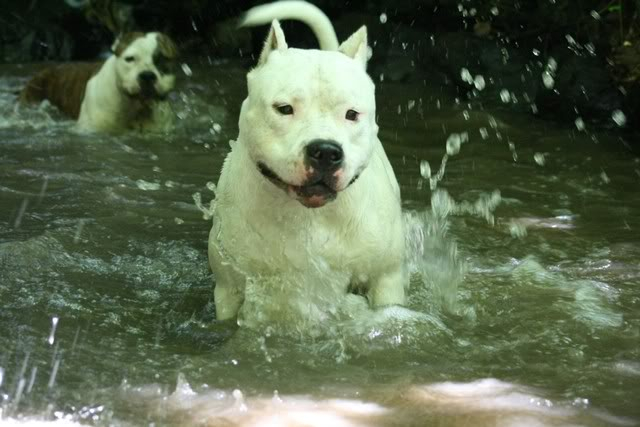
x: 289, y: 244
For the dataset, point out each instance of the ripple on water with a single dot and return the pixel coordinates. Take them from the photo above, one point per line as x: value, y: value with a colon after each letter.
x: 587, y: 301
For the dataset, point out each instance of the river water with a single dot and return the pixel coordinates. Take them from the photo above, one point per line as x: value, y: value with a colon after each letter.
x: 524, y: 308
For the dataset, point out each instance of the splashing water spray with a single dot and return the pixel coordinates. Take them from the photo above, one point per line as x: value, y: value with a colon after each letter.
x: 433, y: 256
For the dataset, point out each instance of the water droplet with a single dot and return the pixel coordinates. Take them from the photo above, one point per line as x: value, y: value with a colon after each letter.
x: 465, y: 75
x: 548, y: 80
x: 484, y: 133
x: 536, y: 52
x: 539, y: 159
x: 425, y: 169
x: 590, y: 48
x: 604, y: 177
x: 479, y: 82
x: 580, y: 124
x: 21, y: 211
x: 454, y: 141
x: 619, y: 117
x: 383, y: 18
x: 505, y: 96
x: 512, y: 148
x: 495, y: 11
x: 595, y: 15
x: 52, y: 334
x: 186, y: 70
x: 54, y: 373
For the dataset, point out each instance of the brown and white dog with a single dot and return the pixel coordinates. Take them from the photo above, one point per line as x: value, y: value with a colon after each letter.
x: 127, y: 91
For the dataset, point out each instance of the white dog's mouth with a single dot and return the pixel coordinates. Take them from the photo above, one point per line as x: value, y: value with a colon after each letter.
x: 147, y: 94
x: 315, y: 193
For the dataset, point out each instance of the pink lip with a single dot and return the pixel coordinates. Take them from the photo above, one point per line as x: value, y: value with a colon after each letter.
x: 313, y: 201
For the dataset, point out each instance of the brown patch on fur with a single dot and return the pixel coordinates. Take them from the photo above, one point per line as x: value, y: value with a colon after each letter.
x: 166, y: 46
x: 125, y: 40
x: 63, y: 85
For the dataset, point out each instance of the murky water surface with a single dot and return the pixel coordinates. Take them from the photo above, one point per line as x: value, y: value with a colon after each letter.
x: 528, y: 311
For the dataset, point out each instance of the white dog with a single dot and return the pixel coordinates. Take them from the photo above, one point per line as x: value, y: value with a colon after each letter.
x: 127, y: 91
x: 307, y: 188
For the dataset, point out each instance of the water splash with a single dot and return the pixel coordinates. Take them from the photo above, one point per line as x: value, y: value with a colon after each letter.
x: 52, y: 334
x: 207, y: 211
x: 433, y: 254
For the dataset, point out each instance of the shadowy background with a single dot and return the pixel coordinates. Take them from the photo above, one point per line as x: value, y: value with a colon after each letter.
x: 559, y: 59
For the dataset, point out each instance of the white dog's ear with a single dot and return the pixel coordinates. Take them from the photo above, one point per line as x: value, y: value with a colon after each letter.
x: 356, y: 46
x: 275, y: 41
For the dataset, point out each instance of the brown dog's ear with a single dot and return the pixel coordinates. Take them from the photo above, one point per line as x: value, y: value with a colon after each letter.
x: 356, y: 46
x: 167, y: 46
x: 275, y: 41
x: 124, y: 40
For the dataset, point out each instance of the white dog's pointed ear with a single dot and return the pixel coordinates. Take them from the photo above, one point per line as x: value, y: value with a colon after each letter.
x: 356, y: 46
x: 275, y: 41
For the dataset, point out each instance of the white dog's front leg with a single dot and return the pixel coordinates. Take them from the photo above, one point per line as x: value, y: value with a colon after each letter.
x: 229, y: 285
x: 388, y: 289
x: 228, y: 300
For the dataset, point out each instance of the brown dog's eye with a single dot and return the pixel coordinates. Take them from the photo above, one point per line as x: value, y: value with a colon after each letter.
x: 284, y: 109
x: 129, y: 58
x: 352, y: 115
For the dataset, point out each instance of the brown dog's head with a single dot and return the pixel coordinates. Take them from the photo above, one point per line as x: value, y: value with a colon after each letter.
x: 145, y: 64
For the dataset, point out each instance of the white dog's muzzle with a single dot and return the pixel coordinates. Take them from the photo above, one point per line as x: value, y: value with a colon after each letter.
x: 324, y: 166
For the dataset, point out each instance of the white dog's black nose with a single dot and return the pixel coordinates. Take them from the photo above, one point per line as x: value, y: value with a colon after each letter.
x: 324, y: 155
x: 147, y: 77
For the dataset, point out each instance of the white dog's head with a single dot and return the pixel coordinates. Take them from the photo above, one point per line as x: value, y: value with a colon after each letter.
x: 145, y: 65
x: 309, y: 118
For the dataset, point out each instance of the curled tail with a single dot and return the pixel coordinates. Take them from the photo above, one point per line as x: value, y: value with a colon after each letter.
x: 296, y: 10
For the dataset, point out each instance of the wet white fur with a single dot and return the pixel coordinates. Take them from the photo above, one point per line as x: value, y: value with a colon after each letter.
x: 260, y: 231
x: 106, y: 105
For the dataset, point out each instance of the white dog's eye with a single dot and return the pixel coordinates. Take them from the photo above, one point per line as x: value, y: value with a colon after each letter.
x: 130, y: 58
x: 284, y: 109
x: 352, y: 115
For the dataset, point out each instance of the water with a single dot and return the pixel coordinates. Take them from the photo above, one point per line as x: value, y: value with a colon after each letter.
x: 527, y: 243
